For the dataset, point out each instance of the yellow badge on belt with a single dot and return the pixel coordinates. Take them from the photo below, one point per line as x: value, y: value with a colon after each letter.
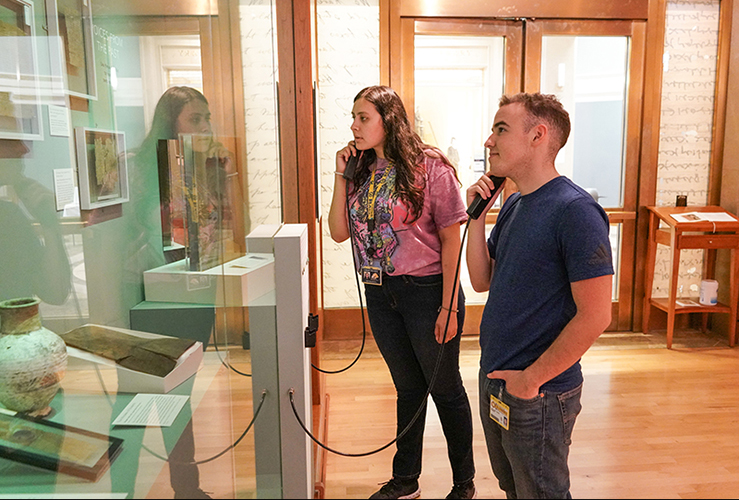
x: 500, y: 412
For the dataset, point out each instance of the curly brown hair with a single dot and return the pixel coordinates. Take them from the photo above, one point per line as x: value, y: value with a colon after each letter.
x: 403, y: 148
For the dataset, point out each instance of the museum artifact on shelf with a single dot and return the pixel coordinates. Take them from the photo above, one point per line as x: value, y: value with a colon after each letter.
x: 71, y: 20
x: 56, y: 447
x: 145, y: 362
x: 204, y: 186
x: 33, y: 359
x: 20, y: 87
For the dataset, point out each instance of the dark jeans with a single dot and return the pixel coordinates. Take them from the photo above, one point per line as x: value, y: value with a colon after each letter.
x: 402, y: 314
x: 530, y: 458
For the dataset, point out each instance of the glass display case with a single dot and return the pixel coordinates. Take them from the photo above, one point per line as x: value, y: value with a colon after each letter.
x: 138, y: 149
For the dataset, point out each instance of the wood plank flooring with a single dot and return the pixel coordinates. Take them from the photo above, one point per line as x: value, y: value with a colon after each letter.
x: 656, y: 423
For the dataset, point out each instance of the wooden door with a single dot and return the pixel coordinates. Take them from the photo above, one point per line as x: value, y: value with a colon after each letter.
x: 550, y: 56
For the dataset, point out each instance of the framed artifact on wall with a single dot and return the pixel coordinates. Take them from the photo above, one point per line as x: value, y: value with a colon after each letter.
x: 101, y: 167
x: 72, y: 21
x: 20, y: 108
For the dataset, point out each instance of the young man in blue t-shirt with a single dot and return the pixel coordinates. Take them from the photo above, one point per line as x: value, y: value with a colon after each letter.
x: 547, y: 265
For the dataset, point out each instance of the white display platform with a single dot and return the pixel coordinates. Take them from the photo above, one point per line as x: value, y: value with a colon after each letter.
x: 134, y: 381
x: 233, y: 284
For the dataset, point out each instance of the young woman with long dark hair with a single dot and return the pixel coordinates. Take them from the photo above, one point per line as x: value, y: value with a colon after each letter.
x: 404, y: 215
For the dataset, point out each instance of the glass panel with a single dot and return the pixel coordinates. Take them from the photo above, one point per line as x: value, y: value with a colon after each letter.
x: 259, y: 61
x: 126, y: 191
x: 589, y: 75
x: 686, y: 125
x: 468, y: 71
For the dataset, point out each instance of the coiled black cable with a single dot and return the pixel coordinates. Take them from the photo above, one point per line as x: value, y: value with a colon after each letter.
x: 359, y: 290
x: 291, y: 392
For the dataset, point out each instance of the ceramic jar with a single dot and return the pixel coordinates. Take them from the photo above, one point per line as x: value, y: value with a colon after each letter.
x: 33, y: 359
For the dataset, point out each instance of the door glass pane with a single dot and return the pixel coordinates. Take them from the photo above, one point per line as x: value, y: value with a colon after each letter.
x: 588, y: 74
x: 458, y: 80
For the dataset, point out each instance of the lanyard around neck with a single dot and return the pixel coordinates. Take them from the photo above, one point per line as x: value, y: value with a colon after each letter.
x: 372, y: 194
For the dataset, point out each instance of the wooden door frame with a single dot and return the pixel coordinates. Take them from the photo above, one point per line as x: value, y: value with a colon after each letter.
x: 526, y: 48
x: 395, y: 28
x: 512, y: 31
x: 629, y: 17
x: 296, y: 55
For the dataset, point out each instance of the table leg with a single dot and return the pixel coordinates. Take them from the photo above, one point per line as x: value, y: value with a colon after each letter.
x: 672, y: 295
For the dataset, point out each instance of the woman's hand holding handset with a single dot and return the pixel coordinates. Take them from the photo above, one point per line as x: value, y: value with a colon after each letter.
x: 343, y: 158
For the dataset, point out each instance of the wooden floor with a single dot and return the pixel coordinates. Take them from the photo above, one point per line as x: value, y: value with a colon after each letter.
x: 656, y: 423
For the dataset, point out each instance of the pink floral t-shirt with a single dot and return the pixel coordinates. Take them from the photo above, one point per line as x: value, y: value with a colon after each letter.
x: 395, y: 246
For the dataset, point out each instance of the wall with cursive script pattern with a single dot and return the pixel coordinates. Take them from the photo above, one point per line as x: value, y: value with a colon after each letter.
x: 348, y: 60
x: 688, y: 87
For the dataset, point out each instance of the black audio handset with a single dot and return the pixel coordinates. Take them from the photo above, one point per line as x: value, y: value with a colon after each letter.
x: 351, y: 166
x: 477, y: 207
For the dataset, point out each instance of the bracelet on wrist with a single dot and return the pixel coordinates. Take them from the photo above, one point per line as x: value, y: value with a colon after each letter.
x: 447, y: 309
x: 339, y: 173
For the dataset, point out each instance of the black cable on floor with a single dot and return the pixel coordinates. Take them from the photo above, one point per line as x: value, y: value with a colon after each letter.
x: 223, y: 362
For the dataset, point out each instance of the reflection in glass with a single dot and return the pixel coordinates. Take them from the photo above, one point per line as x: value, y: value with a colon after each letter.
x: 468, y: 71
x: 88, y: 263
x: 588, y: 74
x: 20, y: 96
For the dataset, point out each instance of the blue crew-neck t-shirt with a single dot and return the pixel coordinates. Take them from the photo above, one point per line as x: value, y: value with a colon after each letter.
x: 541, y: 243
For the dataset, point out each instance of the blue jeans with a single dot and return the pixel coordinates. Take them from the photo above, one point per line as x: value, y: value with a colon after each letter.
x: 530, y: 458
x: 402, y: 313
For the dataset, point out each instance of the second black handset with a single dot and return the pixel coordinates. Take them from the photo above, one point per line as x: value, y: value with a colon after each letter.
x: 477, y: 207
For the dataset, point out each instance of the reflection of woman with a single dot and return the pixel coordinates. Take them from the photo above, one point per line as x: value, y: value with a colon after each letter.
x: 180, y: 110
x: 184, y: 110
x: 405, y: 210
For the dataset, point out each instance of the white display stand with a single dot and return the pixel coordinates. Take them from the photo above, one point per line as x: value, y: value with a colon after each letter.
x: 272, y: 281
x: 281, y: 362
x: 233, y: 284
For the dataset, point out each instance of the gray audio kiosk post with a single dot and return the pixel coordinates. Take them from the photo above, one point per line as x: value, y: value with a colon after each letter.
x: 280, y: 362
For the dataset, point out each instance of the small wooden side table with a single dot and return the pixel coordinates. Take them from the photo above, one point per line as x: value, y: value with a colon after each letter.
x: 691, y: 235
